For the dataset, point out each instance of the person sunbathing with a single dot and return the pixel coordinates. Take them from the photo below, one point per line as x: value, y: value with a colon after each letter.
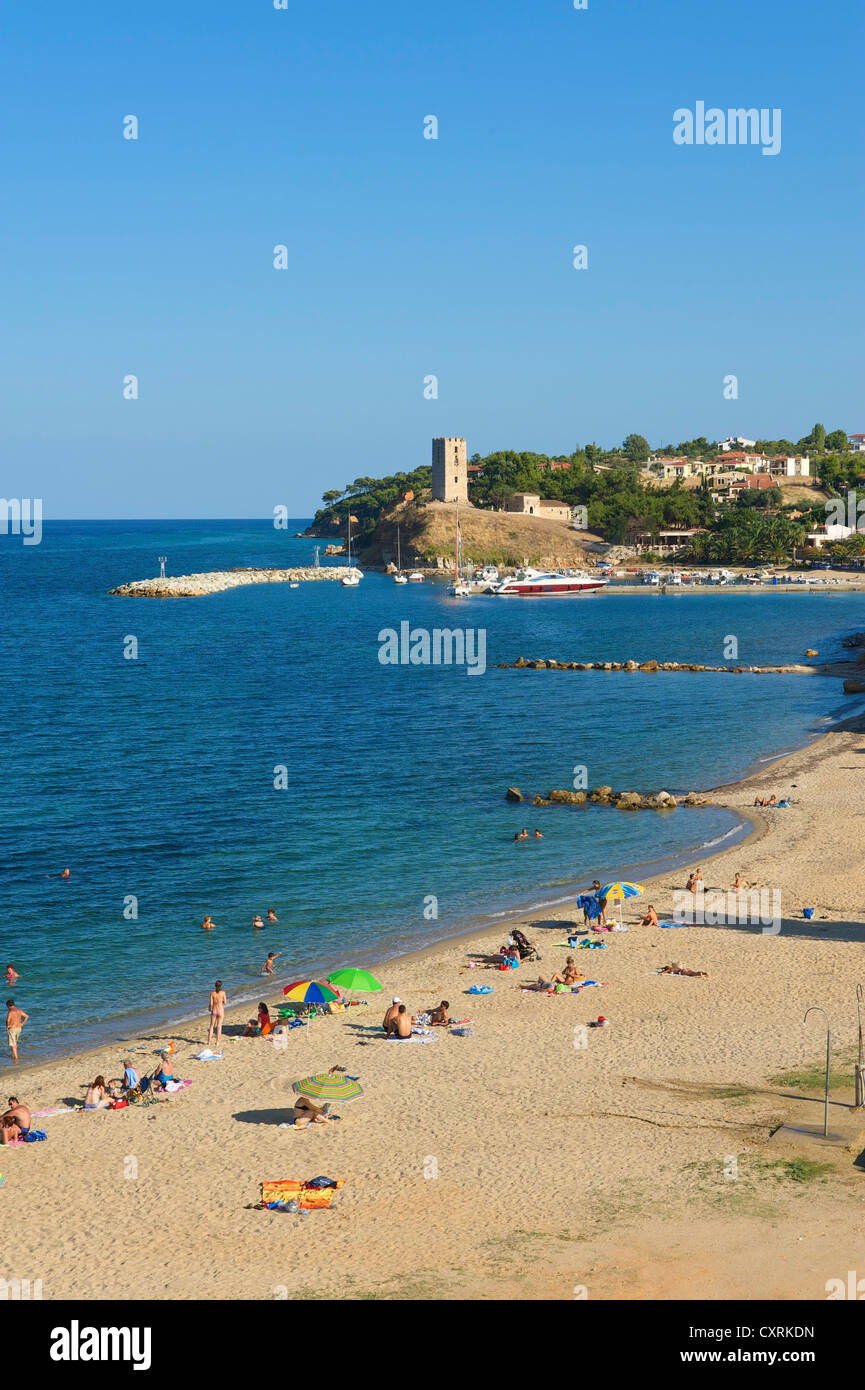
x: 10, y: 1132
x: 402, y: 1022
x: 97, y: 1097
x: 677, y: 969
x: 571, y: 974
x: 306, y: 1113
x: 388, y: 1023
x: 19, y: 1114
x: 651, y: 917
x: 439, y: 1017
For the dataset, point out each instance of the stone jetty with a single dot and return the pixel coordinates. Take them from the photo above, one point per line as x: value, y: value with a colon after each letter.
x: 521, y: 664
x: 193, y: 585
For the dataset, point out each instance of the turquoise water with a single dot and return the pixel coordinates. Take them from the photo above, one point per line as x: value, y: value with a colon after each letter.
x: 153, y: 778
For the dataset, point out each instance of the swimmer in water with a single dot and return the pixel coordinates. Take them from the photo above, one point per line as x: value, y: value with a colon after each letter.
x: 271, y: 915
x: 11, y: 974
x: 67, y: 873
x: 538, y: 835
x: 256, y: 921
x: 208, y: 924
x: 267, y: 968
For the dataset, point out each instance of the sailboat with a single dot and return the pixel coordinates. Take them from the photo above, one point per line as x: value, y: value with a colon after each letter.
x: 399, y: 577
x: 352, y: 575
x: 459, y: 589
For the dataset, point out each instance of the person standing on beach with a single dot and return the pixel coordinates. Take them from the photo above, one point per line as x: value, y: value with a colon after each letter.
x: 15, y: 1020
x: 218, y: 1002
x: 267, y: 968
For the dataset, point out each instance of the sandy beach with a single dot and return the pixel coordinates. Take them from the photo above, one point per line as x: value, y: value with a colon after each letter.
x: 515, y: 1160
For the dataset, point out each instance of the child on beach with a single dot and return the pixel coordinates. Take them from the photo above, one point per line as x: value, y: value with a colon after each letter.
x: 267, y: 968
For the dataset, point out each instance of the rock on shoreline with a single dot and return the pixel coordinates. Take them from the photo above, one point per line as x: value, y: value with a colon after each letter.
x: 193, y: 585
x: 622, y: 801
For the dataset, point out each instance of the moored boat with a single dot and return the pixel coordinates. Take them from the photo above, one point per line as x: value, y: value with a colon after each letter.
x: 535, y: 583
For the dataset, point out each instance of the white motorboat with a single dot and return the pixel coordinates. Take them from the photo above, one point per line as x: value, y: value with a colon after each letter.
x: 536, y: 583
x: 415, y: 577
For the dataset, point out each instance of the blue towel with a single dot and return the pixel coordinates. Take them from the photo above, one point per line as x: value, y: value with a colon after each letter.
x: 34, y: 1136
x: 590, y: 905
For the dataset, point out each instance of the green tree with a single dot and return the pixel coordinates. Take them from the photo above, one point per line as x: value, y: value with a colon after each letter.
x: 837, y: 441
x: 636, y: 448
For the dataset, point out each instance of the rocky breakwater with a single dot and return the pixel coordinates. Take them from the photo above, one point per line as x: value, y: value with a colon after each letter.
x: 605, y: 796
x: 194, y: 585
x: 521, y: 664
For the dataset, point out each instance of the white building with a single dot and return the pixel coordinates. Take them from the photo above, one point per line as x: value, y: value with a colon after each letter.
x: 833, y: 531
x: 857, y: 443
x: 781, y: 466
x: 736, y: 442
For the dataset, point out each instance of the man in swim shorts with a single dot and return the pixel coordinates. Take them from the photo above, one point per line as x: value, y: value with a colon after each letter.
x: 15, y: 1020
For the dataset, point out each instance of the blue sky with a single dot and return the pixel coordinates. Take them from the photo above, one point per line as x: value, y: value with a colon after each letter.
x: 407, y: 256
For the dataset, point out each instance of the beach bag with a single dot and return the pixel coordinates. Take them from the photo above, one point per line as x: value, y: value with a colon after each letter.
x: 119, y: 1105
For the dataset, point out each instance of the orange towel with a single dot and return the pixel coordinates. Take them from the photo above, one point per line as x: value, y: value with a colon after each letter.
x: 308, y: 1198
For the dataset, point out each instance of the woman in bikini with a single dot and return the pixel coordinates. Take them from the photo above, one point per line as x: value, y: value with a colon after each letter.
x: 97, y: 1095
x: 218, y: 1002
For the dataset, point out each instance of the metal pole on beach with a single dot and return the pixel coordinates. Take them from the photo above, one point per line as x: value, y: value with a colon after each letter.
x: 860, y: 1066
x: 815, y: 1008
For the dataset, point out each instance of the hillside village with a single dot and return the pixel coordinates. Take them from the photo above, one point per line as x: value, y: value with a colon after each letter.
x: 737, y: 500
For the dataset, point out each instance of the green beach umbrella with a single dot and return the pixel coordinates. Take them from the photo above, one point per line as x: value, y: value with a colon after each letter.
x: 327, y: 1085
x: 350, y: 978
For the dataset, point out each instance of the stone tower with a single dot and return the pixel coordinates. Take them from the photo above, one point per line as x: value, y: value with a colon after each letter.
x: 449, y: 475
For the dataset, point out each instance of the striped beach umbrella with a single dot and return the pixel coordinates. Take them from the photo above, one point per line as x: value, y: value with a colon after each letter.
x: 621, y: 890
x: 350, y: 978
x: 309, y: 992
x: 328, y: 1086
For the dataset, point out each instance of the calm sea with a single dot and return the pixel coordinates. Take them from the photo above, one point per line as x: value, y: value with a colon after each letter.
x: 153, y: 779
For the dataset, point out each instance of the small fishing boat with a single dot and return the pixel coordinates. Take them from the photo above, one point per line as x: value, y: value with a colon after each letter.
x: 415, y: 577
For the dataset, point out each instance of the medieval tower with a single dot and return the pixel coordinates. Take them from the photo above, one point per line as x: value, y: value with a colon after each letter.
x: 449, y: 475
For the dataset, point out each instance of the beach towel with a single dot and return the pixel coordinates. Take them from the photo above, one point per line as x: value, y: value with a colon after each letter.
x: 61, y: 1110
x: 34, y: 1136
x: 463, y: 1032
x: 206, y: 1056
x: 414, y: 1037
x: 589, y: 904
x: 669, y: 925
x: 276, y: 1195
